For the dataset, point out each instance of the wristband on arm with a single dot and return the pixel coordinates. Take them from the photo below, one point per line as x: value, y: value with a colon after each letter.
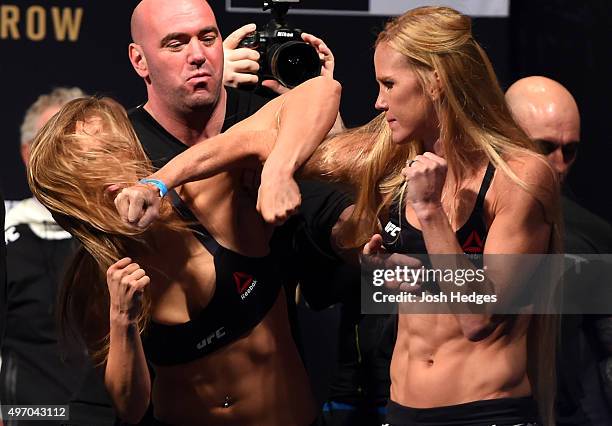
x: 163, y: 189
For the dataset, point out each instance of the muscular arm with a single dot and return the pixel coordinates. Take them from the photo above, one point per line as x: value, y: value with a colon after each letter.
x: 126, y: 376
x: 285, y: 131
x: 232, y: 149
x: 520, y: 226
x: 298, y: 120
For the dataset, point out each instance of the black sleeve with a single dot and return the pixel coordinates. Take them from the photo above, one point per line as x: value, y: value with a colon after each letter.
x: 240, y: 105
x: 305, y: 247
x: 322, y: 205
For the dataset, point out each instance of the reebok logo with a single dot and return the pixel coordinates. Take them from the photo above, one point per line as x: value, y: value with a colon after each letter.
x: 473, y: 244
x: 392, y: 229
x: 245, y: 284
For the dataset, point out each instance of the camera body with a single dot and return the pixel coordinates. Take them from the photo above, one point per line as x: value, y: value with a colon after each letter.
x: 283, y: 55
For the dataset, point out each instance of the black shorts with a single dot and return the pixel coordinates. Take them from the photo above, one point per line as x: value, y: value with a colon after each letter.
x: 156, y: 422
x: 498, y: 412
x: 341, y: 414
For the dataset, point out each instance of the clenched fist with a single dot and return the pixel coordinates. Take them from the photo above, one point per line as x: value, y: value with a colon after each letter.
x: 126, y: 283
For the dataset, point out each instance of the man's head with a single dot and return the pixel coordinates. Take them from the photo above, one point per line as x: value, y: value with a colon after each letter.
x: 178, y: 51
x: 549, y: 115
x: 40, y: 112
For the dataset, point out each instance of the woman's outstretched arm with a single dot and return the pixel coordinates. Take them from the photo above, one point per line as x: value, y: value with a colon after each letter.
x: 286, y: 131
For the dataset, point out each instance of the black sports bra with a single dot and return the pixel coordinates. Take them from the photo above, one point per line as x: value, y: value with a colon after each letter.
x: 246, y: 289
x: 409, y: 240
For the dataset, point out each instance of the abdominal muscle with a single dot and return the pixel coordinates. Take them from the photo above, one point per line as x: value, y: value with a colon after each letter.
x: 434, y: 365
x: 256, y: 380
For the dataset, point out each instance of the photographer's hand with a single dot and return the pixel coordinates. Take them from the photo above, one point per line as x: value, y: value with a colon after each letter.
x: 327, y: 69
x: 325, y: 54
x: 240, y: 65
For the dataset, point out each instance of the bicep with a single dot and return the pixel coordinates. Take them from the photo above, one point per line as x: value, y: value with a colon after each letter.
x: 517, y: 237
x: 523, y: 214
x: 520, y: 227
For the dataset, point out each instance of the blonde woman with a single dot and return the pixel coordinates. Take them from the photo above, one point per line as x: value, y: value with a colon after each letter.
x: 208, y: 314
x: 445, y: 170
x: 447, y: 143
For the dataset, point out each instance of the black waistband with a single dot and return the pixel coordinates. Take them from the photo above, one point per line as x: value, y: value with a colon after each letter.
x: 156, y: 422
x: 499, y: 412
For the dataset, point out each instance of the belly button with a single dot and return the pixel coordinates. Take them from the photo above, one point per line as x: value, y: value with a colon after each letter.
x: 430, y: 362
x: 228, y: 402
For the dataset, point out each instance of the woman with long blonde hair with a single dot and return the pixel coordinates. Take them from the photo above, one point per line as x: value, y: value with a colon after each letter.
x: 209, y: 313
x: 444, y: 169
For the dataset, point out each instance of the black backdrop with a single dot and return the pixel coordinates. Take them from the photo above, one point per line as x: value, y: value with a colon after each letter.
x: 563, y: 39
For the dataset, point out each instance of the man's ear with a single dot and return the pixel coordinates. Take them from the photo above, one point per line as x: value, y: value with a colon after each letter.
x: 138, y: 60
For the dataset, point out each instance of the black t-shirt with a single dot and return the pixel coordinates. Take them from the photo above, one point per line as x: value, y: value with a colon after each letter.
x: 580, y: 399
x: 160, y: 146
x: 585, y: 232
x: 30, y: 346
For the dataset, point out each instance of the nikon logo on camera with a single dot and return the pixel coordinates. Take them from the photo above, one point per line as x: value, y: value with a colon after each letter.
x: 498, y: 8
x: 284, y: 34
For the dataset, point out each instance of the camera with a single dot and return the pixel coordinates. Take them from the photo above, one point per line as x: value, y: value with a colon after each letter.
x: 283, y: 55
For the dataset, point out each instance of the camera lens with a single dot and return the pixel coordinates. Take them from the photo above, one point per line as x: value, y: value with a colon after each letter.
x: 294, y: 62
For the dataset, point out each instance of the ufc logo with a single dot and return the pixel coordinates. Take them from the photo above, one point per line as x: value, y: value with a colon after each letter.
x: 208, y: 340
x: 392, y: 229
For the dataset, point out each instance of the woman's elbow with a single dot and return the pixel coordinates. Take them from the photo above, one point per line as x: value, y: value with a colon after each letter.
x: 328, y: 86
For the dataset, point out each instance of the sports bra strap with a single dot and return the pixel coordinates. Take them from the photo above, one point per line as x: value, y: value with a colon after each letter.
x: 198, y: 229
x: 484, y: 187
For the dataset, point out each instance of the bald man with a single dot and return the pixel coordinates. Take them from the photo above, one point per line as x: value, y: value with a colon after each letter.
x: 257, y: 379
x: 549, y: 115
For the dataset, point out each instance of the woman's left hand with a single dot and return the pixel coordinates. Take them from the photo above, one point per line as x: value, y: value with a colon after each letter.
x: 425, y: 177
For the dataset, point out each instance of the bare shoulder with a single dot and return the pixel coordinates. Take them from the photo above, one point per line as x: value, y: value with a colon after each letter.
x: 530, y: 180
x: 530, y: 168
x: 524, y: 206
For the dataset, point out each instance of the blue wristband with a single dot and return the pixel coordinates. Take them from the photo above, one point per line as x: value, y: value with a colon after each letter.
x: 163, y: 189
